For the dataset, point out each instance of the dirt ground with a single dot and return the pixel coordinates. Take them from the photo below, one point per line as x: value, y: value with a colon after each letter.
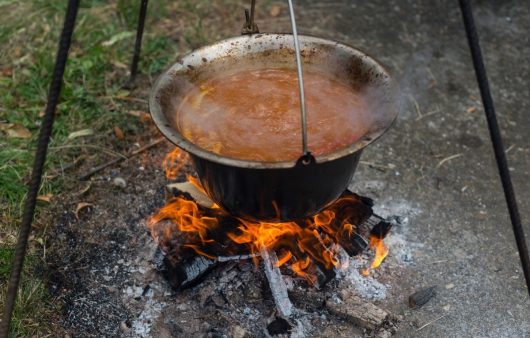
x: 435, y: 168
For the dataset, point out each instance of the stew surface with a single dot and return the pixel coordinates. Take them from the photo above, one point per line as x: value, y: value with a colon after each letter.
x: 255, y: 115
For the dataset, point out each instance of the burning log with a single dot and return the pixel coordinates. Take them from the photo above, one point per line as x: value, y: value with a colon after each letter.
x: 276, y: 283
x: 198, y: 228
x: 188, y: 272
x: 381, y: 229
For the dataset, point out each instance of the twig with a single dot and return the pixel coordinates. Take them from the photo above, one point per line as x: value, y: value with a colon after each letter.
x: 119, y: 159
x: 434, y: 82
x: 124, y: 98
x: 53, y: 173
x: 431, y: 322
x: 436, y: 111
x: 383, y: 167
x: 452, y: 157
x: 416, y: 105
x: 108, y: 151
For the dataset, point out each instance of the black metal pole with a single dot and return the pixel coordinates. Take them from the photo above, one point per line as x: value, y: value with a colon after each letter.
x: 38, y: 164
x: 496, y: 137
x: 138, y: 43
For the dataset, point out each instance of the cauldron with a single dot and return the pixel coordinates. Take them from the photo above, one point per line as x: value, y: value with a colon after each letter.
x: 275, y: 191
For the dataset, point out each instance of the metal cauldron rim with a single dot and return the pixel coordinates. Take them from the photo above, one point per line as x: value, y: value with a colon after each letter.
x: 173, y: 135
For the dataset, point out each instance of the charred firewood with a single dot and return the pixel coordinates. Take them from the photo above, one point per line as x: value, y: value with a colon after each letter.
x: 323, y: 275
x: 353, y: 222
x: 276, y: 283
x: 188, y: 272
x: 421, y: 297
x: 356, y: 245
x: 358, y: 311
x: 381, y: 229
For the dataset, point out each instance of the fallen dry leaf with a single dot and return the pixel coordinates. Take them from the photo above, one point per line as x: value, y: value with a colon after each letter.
x: 45, y: 198
x: 122, y: 93
x: 275, y: 10
x: 80, y: 206
x: 136, y: 113
x: 119, y: 64
x: 471, y: 109
x: 141, y: 115
x: 15, y: 130
x: 85, y: 189
x: 118, y: 37
x: 81, y: 133
x: 17, y: 51
x: 119, y: 133
x: 7, y: 72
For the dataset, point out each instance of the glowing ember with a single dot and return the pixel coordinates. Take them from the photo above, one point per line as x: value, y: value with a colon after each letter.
x: 304, y: 245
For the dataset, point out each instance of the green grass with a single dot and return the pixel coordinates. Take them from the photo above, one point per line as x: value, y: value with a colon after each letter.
x: 92, y: 97
x: 91, y: 77
x: 28, y: 34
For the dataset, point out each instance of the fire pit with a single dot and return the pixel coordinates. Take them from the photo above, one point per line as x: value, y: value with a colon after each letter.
x: 196, y: 236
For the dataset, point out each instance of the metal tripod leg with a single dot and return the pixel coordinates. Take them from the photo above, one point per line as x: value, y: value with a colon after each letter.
x: 138, y: 44
x: 38, y: 164
x: 496, y: 138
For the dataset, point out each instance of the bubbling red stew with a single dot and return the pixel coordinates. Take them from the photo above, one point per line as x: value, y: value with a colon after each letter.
x: 255, y: 115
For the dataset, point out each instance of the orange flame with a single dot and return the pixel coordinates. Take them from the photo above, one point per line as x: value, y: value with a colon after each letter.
x: 381, y: 251
x: 187, y: 216
x: 303, y: 244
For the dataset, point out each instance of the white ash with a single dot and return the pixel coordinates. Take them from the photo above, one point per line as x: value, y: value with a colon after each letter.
x: 153, y: 307
x: 366, y: 287
x: 303, y: 325
x: 390, y: 208
x: 141, y: 327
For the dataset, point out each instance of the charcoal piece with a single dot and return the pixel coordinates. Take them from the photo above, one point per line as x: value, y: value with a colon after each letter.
x: 353, y: 208
x: 355, y: 246
x: 308, y: 298
x: 421, y: 297
x: 323, y: 275
x: 158, y: 259
x: 188, y: 272
x: 367, y: 200
x: 381, y: 229
x: 279, y: 326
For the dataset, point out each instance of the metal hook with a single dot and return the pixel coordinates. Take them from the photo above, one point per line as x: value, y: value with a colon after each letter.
x: 250, y: 26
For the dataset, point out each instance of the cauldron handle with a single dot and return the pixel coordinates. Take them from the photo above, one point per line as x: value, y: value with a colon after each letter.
x: 306, y: 157
x: 250, y: 27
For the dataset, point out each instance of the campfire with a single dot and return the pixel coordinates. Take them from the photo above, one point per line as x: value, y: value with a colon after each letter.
x: 196, y: 235
x: 260, y: 195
